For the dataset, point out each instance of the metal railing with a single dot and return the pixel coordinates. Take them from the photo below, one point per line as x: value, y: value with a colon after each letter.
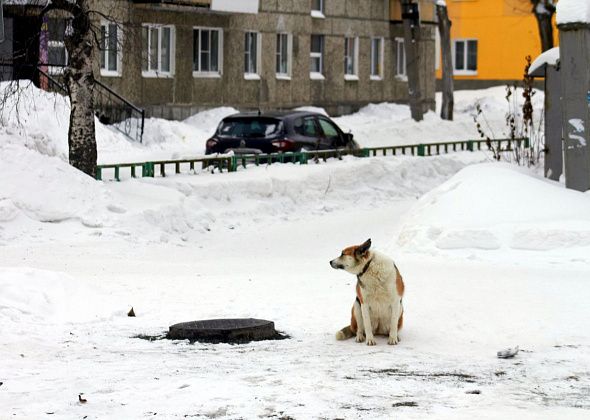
x: 113, y: 109
x: 231, y: 163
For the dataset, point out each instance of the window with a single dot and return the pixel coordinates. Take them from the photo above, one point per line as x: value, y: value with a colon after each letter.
x: 306, y: 126
x: 207, y: 52
x: 465, y: 56
x: 317, y: 56
x: 376, y: 58
x: 110, y: 51
x: 328, y: 128
x: 251, y: 53
x: 317, y: 8
x: 57, y: 55
x: 283, y: 55
x: 400, y: 59
x: 157, y: 51
x: 351, y: 58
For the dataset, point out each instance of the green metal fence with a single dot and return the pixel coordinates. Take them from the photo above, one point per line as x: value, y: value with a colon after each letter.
x: 231, y: 163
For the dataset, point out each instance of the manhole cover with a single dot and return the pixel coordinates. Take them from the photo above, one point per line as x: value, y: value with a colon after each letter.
x: 240, y: 330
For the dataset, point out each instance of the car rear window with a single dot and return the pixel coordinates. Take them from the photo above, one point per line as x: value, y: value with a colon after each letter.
x: 250, y: 127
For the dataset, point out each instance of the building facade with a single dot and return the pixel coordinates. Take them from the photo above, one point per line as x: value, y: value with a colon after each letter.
x: 490, y: 40
x: 175, y: 58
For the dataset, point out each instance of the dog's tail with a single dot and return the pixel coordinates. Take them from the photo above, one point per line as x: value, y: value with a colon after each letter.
x: 345, y: 333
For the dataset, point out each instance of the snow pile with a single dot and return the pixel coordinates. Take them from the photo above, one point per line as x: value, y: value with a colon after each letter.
x: 549, y: 57
x: 45, y: 189
x: 573, y: 11
x: 493, y: 206
x: 39, y: 120
x: 33, y: 301
x: 390, y: 124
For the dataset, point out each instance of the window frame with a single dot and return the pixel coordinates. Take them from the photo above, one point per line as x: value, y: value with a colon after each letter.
x: 464, y: 71
x: 381, y: 54
x: 399, y: 73
x: 104, y: 71
x: 354, y: 56
x: 209, y: 74
x: 278, y: 51
x: 317, y: 75
x: 253, y: 75
x: 158, y: 73
x: 318, y: 13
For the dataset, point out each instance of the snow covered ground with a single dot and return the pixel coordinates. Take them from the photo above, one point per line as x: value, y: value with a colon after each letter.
x: 492, y: 256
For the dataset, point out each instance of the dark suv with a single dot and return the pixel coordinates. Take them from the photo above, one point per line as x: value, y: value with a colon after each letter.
x: 273, y: 132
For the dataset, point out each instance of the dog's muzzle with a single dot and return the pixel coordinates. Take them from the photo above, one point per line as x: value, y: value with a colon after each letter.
x: 336, y: 265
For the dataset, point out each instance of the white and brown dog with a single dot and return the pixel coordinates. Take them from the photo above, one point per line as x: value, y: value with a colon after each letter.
x: 378, y: 307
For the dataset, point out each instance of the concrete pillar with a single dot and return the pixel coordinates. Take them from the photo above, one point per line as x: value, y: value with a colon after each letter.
x: 553, y: 128
x: 574, y: 43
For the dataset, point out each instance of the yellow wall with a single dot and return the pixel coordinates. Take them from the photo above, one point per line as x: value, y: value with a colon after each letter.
x: 506, y: 32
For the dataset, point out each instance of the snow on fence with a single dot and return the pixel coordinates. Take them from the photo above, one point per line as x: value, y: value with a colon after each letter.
x: 231, y: 162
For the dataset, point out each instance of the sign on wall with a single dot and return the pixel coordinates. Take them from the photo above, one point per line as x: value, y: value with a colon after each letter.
x: 242, y: 6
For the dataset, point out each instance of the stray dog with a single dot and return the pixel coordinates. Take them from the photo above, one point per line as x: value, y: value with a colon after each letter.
x: 378, y: 307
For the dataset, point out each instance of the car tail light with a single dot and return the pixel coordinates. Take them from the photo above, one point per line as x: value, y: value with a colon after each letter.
x: 211, y: 143
x: 284, y: 145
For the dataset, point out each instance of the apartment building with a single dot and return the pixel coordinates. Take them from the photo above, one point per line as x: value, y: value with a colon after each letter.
x: 176, y: 57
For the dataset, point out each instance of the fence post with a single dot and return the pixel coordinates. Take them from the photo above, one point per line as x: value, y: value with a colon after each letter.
x: 98, y: 173
x: 470, y: 145
x: 421, y: 150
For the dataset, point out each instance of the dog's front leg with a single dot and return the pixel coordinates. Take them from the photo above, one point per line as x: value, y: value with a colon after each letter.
x: 360, y: 329
x: 393, y: 332
x: 367, y: 323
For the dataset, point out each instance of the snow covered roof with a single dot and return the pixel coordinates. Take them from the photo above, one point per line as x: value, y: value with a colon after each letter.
x: 573, y: 11
x: 548, y: 58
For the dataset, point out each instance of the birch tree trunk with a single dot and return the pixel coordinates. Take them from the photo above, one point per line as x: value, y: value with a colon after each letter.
x: 444, y: 28
x: 79, y: 80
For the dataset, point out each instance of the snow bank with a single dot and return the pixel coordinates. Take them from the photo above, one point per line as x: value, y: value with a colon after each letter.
x: 572, y: 11
x: 40, y: 304
x: 492, y: 206
x: 391, y: 124
x: 45, y: 189
x: 39, y: 120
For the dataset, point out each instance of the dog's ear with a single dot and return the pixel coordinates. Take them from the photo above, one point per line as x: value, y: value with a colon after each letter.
x: 363, y: 248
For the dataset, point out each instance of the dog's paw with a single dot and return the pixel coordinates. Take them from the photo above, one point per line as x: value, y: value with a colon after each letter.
x: 393, y: 340
x: 371, y: 341
x: 360, y: 338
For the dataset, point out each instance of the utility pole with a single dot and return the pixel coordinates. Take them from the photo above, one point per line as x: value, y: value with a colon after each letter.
x: 444, y: 28
x: 411, y: 22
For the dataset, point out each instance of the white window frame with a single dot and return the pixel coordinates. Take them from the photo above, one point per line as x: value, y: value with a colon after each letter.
x: 104, y: 71
x: 354, y: 56
x: 150, y: 73
x: 210, y: 74
x: 400, y: 70
x: 318, y: 13
x: 381, y: 54
x: 464, y: 71
x: 278, y: 51
x: 254, y: 75
x: 314, y: 75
